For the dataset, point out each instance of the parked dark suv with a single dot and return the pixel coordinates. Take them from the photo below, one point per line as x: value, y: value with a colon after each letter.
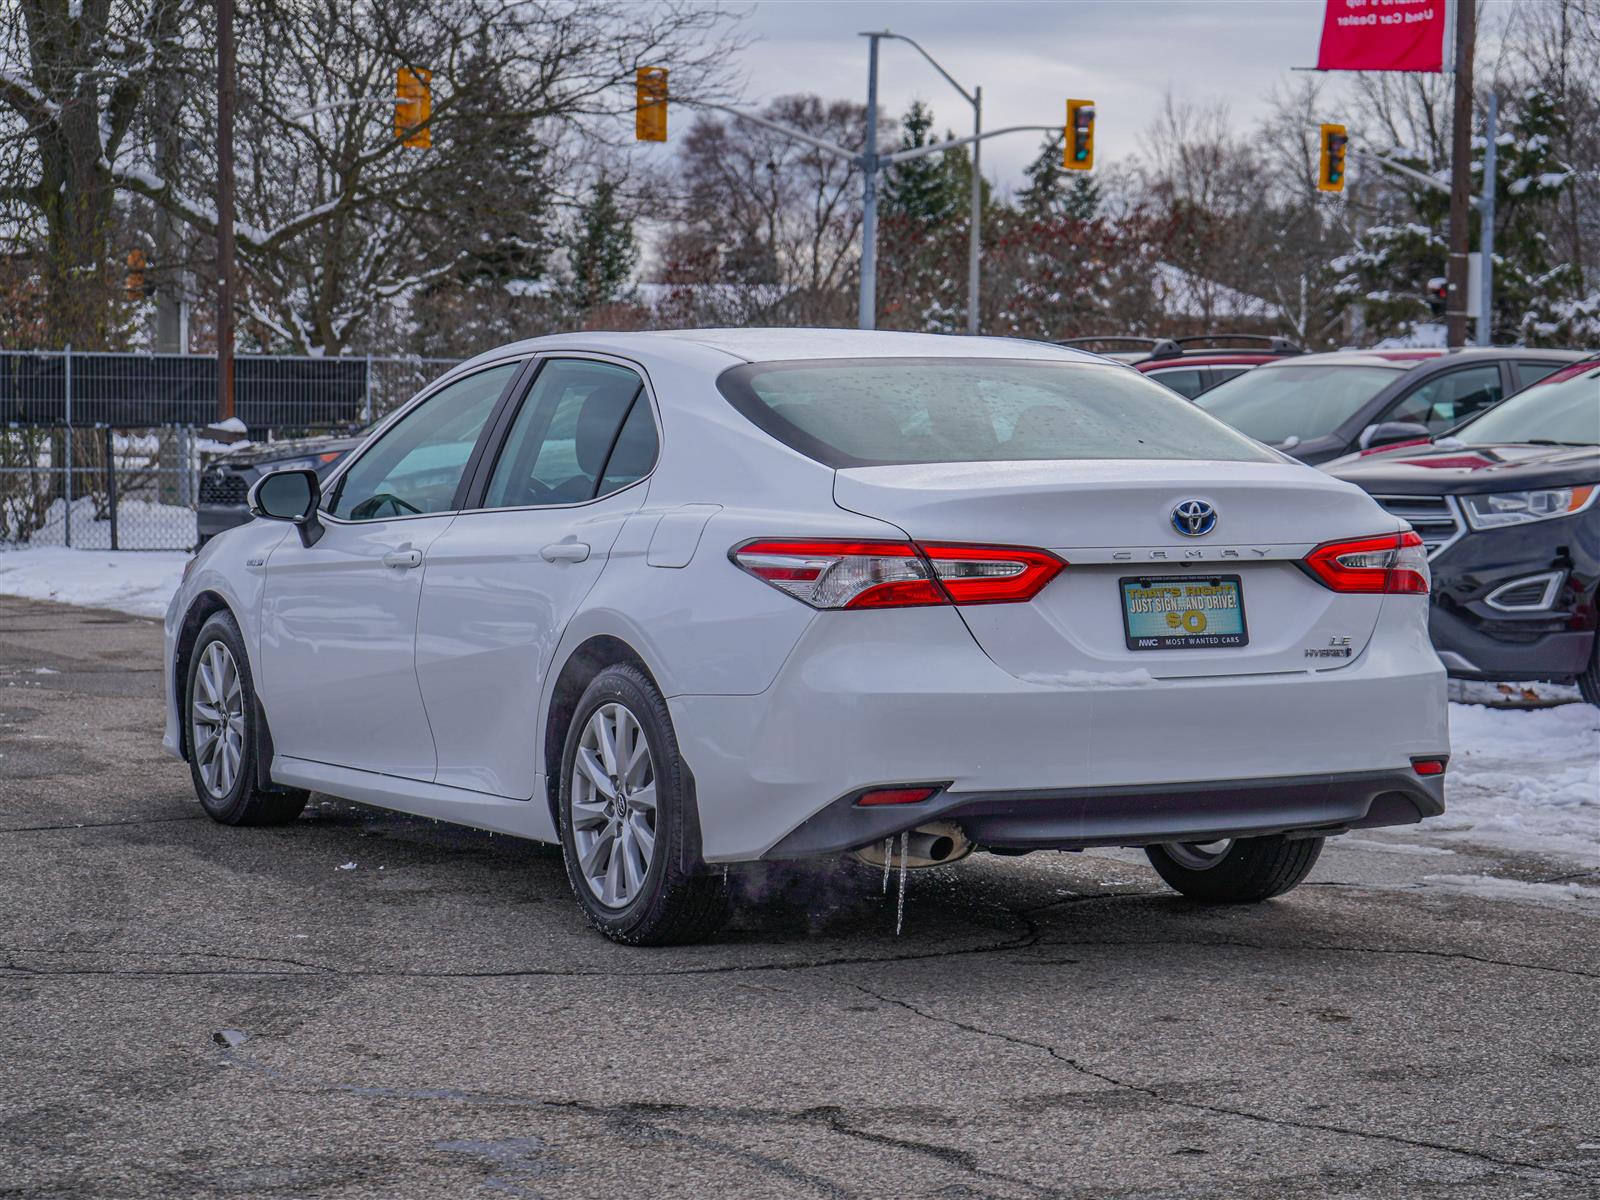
x: 225, y: 483
x: 1506, y: 506
x: 1320, y: 406
x: 1190, y: 365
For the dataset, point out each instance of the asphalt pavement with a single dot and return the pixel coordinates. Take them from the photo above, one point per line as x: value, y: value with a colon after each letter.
x: 369, y: 1005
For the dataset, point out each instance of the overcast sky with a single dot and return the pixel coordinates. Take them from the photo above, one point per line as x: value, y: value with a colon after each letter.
x: 1030, y: 56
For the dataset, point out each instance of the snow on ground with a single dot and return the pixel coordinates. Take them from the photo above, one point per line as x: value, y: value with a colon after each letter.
x: 138, y: 582
x: 1525, y: 781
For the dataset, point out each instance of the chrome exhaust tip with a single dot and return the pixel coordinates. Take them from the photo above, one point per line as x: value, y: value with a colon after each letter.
x: 930, y: 845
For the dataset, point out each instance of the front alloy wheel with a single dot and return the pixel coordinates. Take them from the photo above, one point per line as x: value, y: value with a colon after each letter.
x: 216, y: 719
x: 223, y: 720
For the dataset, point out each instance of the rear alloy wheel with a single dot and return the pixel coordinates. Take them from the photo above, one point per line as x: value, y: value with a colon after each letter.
x: 221, y: 712
x: 1235, y: 870
x: 625, y: 829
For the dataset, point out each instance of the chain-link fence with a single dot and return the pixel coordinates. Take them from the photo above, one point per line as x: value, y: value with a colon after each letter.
x: 98, y: 487
x: 108, y: 451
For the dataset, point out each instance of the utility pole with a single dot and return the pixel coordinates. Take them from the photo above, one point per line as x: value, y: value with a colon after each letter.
x: 975, y: 235
x: 1491, y: 131
x: 225, y: 91
x: 867, y: 311
x: 1460, y: 175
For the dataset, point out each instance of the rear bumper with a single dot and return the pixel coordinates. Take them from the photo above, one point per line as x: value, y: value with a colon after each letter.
x: 906, y: 696
x: 1075, y: 818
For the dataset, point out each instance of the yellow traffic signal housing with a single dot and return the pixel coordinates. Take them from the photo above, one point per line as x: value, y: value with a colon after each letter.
x: 135, y: 281
x: 1330, y: 170
x: 1079, y: 151
x: 650, y: 105
x: 413, y: 105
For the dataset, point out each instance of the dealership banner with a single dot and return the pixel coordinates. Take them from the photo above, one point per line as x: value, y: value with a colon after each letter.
x: 1383, y: 35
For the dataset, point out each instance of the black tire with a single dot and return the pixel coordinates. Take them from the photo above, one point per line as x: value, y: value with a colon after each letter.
x: 1251, y: 869
x: 678, y: 901
x: 242, y: 801
x: 1589, y: 680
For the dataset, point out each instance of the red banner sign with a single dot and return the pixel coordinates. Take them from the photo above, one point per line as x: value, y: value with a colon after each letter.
x: 1383, y: 35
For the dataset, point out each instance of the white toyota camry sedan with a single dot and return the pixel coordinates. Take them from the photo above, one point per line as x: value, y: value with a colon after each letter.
x: 683, y: 600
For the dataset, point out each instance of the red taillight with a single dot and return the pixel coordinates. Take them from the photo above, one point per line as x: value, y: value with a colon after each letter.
x: 909, y: 795
x: 1393, y: 564
x: 841, y: 574
x: 827, y: 574
x: 992, y: 574
x: 1428, y: 766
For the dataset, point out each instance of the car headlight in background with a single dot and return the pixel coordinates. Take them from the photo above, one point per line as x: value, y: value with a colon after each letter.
x: 314, y: 462
x: 1516, y: 508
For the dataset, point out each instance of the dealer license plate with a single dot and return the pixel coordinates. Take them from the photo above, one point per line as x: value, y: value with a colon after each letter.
x: 1183, y: 614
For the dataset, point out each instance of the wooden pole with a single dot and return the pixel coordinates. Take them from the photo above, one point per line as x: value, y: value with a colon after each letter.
x: 1460, y: 176
x: 225, y: 91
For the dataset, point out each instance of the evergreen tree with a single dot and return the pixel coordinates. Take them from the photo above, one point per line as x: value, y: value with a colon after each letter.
x: 601, y: 251
x: 1398, y: 266
x: 925, y: 191
x: 1049, y: 194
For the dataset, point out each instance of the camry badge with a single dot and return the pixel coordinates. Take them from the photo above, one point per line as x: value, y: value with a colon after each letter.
x: 1194, y: 518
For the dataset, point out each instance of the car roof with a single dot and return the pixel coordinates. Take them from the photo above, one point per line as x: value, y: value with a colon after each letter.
x: 1409, y: 359
x: 704, y: 347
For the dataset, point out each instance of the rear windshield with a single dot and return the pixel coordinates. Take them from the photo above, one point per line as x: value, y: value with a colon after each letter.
x: 882, y: 411
x: 1277, y: 403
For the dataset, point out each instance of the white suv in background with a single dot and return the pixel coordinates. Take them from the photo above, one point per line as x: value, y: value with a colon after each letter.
x: 680, y: 600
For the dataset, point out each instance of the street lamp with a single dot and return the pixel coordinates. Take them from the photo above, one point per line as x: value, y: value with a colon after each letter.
x: 976, y: 100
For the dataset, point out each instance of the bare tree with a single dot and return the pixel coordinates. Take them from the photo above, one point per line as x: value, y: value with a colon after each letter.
x: 72, y: 79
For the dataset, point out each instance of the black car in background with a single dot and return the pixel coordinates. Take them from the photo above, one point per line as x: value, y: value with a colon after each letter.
x: 225, y: 483
x: 1321, y: 406
x: 1507, y: 507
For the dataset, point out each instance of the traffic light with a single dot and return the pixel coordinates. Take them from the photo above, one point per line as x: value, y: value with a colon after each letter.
x: 650, y: 105
x: 135, y: 281
x: 1079, y: 154
x: 1330, y: 172
x: 413, y: 105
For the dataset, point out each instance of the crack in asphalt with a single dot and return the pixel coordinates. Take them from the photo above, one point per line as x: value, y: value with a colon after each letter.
x: 100, y: 824
x: 1332, y: 947
x: 631, y: 1115
x: 1215, y: 1109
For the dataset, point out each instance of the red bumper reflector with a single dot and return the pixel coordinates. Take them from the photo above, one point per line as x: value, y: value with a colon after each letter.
x: 1428, y: 766
x: 912, y: 795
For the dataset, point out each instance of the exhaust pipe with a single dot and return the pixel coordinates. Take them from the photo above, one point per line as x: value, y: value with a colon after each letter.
x: 930, y: 845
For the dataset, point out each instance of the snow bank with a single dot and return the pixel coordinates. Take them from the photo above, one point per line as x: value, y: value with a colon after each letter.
x: 1493, y: 888
x: 138, y: 582
x: 1525, y: 781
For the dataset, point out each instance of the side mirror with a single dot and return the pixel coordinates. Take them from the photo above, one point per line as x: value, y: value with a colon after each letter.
x: 290, y: 496
x: 1385, y: 433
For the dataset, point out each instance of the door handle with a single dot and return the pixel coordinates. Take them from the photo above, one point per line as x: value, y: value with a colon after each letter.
x: 403, y: 558
x: 574, y: 552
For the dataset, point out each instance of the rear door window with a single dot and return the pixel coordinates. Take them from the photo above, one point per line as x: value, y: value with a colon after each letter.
x: 1189, y: 382
x: 1450, y: 398
x: 1529, y: 373
x: 584, y: 429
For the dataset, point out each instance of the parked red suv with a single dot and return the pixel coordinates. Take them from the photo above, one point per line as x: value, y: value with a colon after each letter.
x: 1190, y: 365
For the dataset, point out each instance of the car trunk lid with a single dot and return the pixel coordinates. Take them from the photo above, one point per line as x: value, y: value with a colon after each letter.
x: 1113, y: 520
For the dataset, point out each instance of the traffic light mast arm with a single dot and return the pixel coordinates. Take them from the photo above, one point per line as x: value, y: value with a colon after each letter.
x: 1411, y: 172
x: 940, y: 147
x: 779, y: 127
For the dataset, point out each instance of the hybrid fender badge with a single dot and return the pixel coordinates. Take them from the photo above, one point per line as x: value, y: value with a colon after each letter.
x: 1194, y: 518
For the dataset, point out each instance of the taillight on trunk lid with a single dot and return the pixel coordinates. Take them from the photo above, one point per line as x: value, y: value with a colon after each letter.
x: 842, y: 574
x: 1392, y: 564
